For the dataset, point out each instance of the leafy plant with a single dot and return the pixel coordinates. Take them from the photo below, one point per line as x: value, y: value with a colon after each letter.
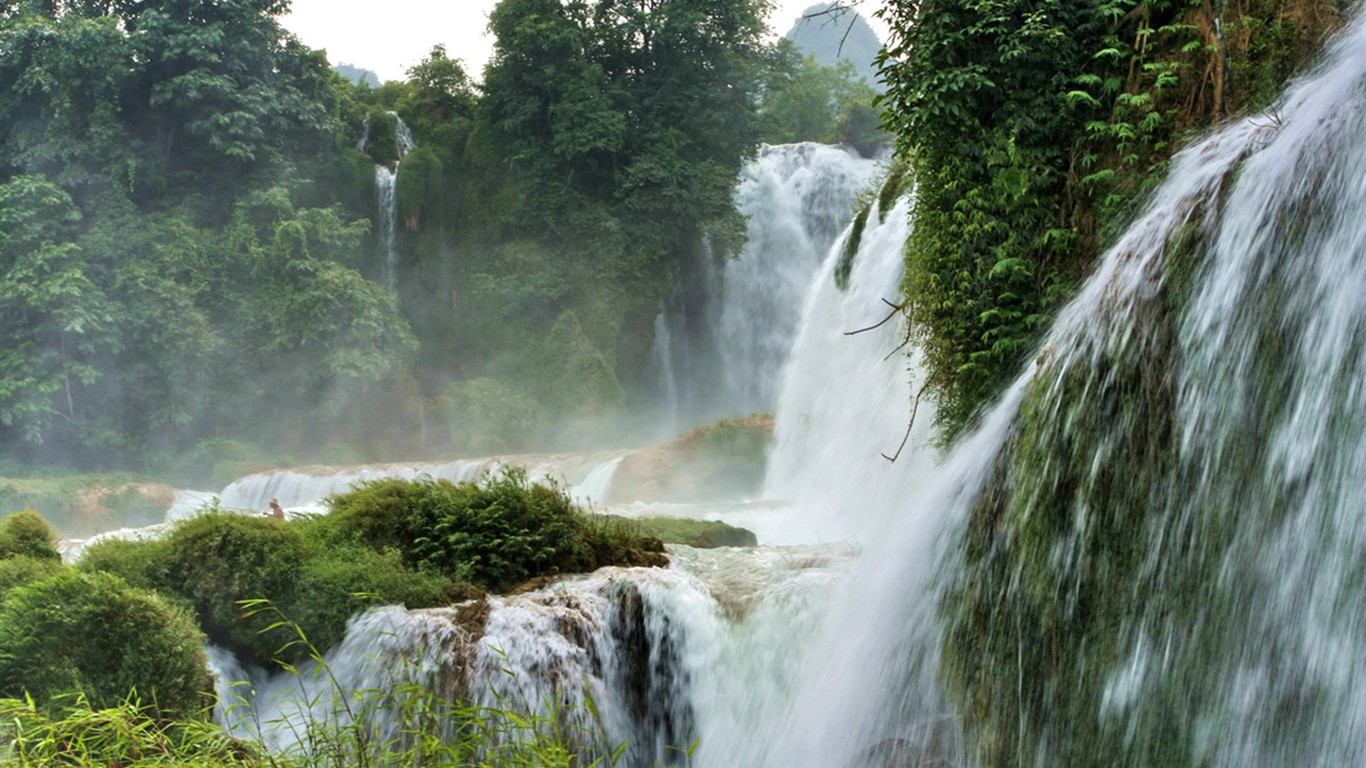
x: 93, y: 634
x: 494, y: 534
x: 27, y: 534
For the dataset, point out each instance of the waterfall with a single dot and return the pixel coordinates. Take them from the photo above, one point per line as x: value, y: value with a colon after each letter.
x: 386, y: 198
x: 705, y: 651
x: 1150, y: 552
x: 848, y: 395
x: 586, y: 476
x: 727, y: 326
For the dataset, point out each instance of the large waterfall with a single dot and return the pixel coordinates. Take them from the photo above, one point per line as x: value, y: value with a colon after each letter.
x: 721, y: 343
x: 1150, y: 552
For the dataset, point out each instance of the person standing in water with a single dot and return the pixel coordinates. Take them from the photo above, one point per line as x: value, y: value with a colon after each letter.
x: 276, y: 511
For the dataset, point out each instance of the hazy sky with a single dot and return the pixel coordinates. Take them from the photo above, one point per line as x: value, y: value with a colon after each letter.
x: 390, y: 36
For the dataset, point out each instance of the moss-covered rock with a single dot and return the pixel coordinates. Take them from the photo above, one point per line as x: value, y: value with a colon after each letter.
x: 703, y: 534
x: 725, y: 460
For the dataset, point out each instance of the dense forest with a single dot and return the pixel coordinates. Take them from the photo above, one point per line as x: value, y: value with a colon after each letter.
x: 191, y: 239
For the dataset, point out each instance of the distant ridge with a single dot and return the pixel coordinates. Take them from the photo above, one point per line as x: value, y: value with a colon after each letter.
x: 357, y: 75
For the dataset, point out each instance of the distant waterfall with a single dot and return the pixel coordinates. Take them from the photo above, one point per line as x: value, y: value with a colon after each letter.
x: 386, y: 199
x: 728, y: 326
x: 585, y: 476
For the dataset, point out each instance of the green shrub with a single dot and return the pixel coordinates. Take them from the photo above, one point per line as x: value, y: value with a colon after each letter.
x: 93, y: 634
x: 19, y: 570
x: 213, y: 561
x: 27, y: 534
x: 334, y: 585
x: 494, y: 534
x: 141, y: 563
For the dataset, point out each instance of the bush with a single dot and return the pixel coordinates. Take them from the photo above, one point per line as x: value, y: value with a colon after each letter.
x: 141, y: 563
x: 218, y: 559
x: 20, y: 570
x: 335, y: 585
x: 494, y: 534
x: 212, y: 562
x: 93, y: 634
x: 27, y: 534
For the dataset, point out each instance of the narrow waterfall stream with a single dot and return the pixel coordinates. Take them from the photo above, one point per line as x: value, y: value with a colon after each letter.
x: 1148, y: 553
x: 386, y: 199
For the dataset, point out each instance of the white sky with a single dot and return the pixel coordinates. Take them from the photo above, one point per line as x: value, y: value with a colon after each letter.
x: 389, y: 36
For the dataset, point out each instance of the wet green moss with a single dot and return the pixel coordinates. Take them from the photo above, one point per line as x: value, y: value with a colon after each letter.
x: 845, y: 265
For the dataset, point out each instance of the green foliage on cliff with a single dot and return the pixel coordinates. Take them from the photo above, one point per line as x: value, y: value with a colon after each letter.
x: 1096, y: 569
x: 1032, y: 129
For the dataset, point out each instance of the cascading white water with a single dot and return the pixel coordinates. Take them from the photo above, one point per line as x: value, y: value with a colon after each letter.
x: 849, y: 393
x: 726, y: 331
x: 586, y: 477
x: 385, y: 650
x: 386, y: 199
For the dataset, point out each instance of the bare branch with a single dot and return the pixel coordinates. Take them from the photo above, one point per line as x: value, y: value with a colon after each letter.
x: 835, y: 11
x: 915, y: 407
x: 896, y: 309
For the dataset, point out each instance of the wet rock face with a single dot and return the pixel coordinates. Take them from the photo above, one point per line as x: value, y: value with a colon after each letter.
x: 720, y: 461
